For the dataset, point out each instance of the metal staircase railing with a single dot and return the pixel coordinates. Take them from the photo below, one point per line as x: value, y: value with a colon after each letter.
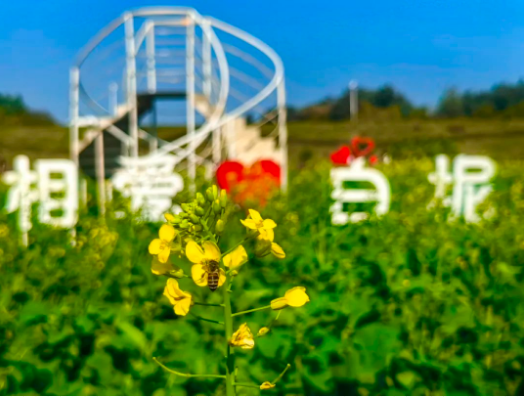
x: 222, y: 73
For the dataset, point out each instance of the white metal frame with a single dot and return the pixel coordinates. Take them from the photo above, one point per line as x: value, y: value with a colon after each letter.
x: 184, y: 148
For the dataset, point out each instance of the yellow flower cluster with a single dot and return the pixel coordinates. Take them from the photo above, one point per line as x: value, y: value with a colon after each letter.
x: 194, y: 234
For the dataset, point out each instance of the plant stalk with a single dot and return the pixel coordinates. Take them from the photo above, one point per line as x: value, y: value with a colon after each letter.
x: 228, y: 326
x: 252, y: 310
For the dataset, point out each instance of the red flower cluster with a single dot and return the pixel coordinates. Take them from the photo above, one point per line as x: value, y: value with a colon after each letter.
x: 360, y: 147
x: 252, y: 184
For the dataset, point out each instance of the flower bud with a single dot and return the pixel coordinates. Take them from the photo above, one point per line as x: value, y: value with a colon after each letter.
x: 184, y: 224
x: 187, y: 207
x: 200, y: 199
x: 209, y: 194
x: 223, y: 198
x: 262, y: 248
x: 194, y: 218
x: 199, y: 211
x: 263, y: 331
x: 219, y: 228
x: 215, y: 191
x: 170, y: 218
x: 216, y: 207
x: 198, y: 228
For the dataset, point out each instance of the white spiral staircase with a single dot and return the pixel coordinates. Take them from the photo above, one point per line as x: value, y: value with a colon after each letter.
x: 214, y: 76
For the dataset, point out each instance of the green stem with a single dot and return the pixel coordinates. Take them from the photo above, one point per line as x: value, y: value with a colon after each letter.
x: 208, y: 304
x: 206, y: 319
x: 187, y: 375
x: 282, y: 374
x: 228, y: 326
x: 251, y: 310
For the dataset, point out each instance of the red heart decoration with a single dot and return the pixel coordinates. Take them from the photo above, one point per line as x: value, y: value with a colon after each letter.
x: 341, y: 156
x: 229, y: 173
x: 253, y: 183
x: 362, y: 146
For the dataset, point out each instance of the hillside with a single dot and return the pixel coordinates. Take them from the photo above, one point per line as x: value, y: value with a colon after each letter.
x: 500, y: 139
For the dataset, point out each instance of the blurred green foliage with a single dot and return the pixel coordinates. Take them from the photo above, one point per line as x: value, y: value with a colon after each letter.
x: 406, y: 304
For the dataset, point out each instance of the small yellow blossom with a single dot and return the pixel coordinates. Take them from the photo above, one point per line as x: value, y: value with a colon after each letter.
x: 262, y: 331
x: 295, y: 297
x: 203, y: 257
x: 243, y: 338
x: 267, y: 385
x: 162, y: 246
x: 179, y: 299
x: 255, y: 222
x: 160, y: 268
x: 236, y: 258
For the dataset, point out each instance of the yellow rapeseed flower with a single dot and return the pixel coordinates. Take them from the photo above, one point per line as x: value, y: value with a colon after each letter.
x: 243, y: 338
x: 162, y: 246
x: 295, y: 297
x: 179, y: 299
x: 236, y: 258
x: 160, y: 268
x: 255, y: 222
x: 204, y: 257
x: 267, y: 385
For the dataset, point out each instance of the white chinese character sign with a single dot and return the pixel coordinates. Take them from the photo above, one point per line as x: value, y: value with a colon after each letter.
x: 53, y: 185
x: 357, y: 172
x: 150, y: 183
x: 470, y: 178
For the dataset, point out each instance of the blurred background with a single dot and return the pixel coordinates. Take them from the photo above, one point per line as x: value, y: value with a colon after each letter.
x: 408, y: 304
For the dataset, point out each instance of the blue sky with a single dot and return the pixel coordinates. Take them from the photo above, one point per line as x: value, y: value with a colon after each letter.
x: 419, y: 46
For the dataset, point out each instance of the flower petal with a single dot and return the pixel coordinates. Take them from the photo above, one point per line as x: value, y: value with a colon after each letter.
x: 277, y: 251
x: 236, y: 258
x: 167, y: 233
x: 249, y: 223
x: 199, y: 275
x: 255, y: 215
x: 269, y: 224
x: 182, y: 307
x: 160, y: 268
x: 296, y: 297
x: 222, y: 277
x: 211, y: 251
x: 194, y: 253
x: 154, y: 246
x: 266, y: 234
x: 163, y: 255
x: 171, y: 290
